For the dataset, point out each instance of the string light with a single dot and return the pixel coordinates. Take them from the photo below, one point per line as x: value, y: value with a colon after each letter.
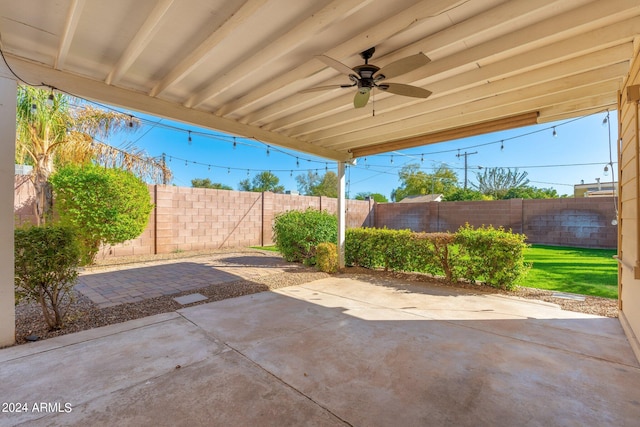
x: 297, y: 162
x: 186, y: 163
x: 190, y: 139
x: 606, y: 170
x: 50, y: 99
x: 502, y: 145
x: 228, y: 170
x: 421, y: 158
x: 268, y: 152
x: 235, y: 143
x: 555, y: 134
x: 392, y: 159
x: 130, y: 121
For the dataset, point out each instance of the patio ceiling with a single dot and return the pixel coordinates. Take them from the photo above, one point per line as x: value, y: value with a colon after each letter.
x: 238, y: 66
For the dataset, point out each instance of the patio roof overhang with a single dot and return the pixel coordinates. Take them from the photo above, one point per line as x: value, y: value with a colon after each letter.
x: 239, y: 66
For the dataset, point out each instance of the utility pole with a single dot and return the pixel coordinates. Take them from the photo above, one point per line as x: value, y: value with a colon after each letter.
x: 465, y: 164
x: 164, y: 168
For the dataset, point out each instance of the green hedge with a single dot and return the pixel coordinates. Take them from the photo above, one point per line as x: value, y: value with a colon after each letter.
x: 494, y: 256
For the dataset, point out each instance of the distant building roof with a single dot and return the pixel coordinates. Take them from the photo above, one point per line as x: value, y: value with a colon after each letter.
x: 423, y: 198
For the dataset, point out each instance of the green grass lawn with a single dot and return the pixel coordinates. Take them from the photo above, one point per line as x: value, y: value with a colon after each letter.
x: 266, y: 248
x: 579, y: 271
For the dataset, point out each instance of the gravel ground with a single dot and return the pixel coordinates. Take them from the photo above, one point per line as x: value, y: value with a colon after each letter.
x: 83, y: 314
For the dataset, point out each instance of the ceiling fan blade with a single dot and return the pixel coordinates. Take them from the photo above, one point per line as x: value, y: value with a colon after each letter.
x: 361, y: 98
x: 321, y: 88
x: 404, y: 65
x: 405, y: 90
x: 336, y: 65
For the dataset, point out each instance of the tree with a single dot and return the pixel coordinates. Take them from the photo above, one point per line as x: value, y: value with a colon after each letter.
x: 460, y: 194
x: 529, y: 192
x: 312, y: 185
x: 206, y: 183
x: 415, y: 182
x: 104, y: 206
x: 379, y: 198
x: 264, y: 181
x: 51, y: 134
x: 496, y: 182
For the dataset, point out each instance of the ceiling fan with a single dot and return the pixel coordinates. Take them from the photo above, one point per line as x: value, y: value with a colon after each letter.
x: 368, y: 76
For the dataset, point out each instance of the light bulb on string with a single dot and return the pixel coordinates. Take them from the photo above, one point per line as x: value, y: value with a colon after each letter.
x: 392, y: 159
x: 421, y: 158
x: 50, y: 99
x: 326, y: 166
x: 209, y: 168
x: 297, y: 162
x: 290, y: 173
x: 190, y: 139
x: 228, y: 171
x: 502, y: 145
x: 605, y: 121
x: 235, y: 143
x: 555, y: 134
x: 186, y: 163
x: 606, y: 170
x: 268, y: 152
x: 130, y: 121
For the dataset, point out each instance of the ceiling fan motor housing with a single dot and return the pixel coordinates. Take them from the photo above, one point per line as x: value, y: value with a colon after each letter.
x: 366, y: 73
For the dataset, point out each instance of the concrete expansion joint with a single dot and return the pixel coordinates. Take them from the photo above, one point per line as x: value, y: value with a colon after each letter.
x: 286, y: 384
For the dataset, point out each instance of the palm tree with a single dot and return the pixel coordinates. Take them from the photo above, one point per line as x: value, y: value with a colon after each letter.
x: 50, y: 133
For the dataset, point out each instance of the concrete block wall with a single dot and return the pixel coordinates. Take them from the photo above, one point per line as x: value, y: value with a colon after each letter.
x: 24, y: 199
x: 190, y: 219
x: 581, y: 222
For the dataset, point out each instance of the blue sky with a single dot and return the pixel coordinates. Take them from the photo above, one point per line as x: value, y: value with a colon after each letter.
x: 558, y: 162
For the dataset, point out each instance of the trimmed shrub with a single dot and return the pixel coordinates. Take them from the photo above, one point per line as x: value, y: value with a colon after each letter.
x: 46, y: 261
x: 327, y: 257
x: 493, y: 255
x: 401, y: 250
x: 104, y: 206
x: 297, y: 234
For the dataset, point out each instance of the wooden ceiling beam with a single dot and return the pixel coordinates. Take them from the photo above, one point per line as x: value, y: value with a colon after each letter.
x: 560, y: 70
x: 199, y: 54
x: 370, y: 37
x: 70, y: 26
x: 572, y: 46
x: 501, y: 124
x: 489, y: 20
x: 272, y: 50
x: 140, y: 41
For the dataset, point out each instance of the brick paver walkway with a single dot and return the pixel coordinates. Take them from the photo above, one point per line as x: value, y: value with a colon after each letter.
x: 111, y: 286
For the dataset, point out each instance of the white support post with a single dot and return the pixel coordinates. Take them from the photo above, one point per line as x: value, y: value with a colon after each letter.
x: 8, y: 88
x: 341, y: 213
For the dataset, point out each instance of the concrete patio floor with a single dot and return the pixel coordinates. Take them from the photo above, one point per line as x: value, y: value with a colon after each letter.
x: 337, y: 351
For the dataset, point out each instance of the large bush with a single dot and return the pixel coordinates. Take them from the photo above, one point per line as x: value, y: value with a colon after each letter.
x: 104, y: 206
x: 46, y: 261
x: 494, y: 255
x: 297, y: 234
